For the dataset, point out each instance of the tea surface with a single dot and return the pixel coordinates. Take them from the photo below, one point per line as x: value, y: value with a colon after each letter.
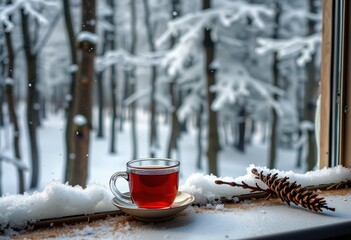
x: 153, y: 191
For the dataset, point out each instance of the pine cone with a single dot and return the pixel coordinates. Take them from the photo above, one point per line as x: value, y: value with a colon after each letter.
x: 291, y: 192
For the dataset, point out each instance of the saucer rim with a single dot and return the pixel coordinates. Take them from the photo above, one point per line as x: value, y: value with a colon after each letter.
x: 136, y: 208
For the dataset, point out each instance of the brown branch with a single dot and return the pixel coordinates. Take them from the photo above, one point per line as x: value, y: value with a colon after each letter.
x: 244, y: 185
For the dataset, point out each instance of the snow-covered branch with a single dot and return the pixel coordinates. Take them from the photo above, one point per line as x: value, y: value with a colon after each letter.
x: 176, y: 58
x: 19, y: 164
x: 191, y: 102
x: 126, y: 59
x: 239, y: 83
x: 29, y: 7
x: 160, y: 99
x: 42, y: 42
x: 304, y: 46
x: 293, y: 14
x: 230, y: 12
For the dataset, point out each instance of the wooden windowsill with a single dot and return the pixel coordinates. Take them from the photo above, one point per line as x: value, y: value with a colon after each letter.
x: 232, y: 222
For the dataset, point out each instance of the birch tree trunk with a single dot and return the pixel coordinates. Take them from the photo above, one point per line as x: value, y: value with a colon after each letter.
x: 213, y: 146
x: 82, y: 103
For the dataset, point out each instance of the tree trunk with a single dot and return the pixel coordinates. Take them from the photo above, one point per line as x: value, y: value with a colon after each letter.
x: 11, y: 106
x: 199, y: 138
x: 69, y: 143
x: 172, y: 143
x: 32, y: 99
x: 311, y: 97
x: 100, y: 97
x: 2, y: 90
x: 242, y: 130
x: 133, y: 81
x: 213, y: 146
x: 299, y: 152
x: 150, y: 38
x: 100, y: 88
x: 113, y: 88
x: 82, y: 103
x: 275, y: 81
x: 113, y: 81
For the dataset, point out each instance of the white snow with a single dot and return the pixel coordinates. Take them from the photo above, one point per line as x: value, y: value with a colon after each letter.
x: 205, y: 190
x: 86, y: 36
x: 72, y: 68
x: 80, y: 120
x: 9, y: 81
x: 56, y: 200
x: 304, y: 46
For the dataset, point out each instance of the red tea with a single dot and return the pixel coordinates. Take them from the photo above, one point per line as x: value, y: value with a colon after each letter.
x: 152, y: 187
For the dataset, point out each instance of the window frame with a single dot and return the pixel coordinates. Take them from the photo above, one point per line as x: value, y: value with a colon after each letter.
x: 336, y: 54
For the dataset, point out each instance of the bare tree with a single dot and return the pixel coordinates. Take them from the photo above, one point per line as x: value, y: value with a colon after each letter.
x: 132, y: 80
x: 69, y: 119
x: 172, y: 144
x: 275, y: 81
x: 213, y: 146
x: 32, y: 96
x: 113, y: 80
x: 9, y: 85
x: 150, y: 37
x: 311, y: 87
x: 82, y: 102
x: 32, y: 46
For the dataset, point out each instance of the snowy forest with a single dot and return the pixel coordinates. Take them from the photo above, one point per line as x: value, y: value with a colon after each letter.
x: 86, y: 86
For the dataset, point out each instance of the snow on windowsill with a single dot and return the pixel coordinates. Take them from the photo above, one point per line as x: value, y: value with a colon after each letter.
x: 59, y: 200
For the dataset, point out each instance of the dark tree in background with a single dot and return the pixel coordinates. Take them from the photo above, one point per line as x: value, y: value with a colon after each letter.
x: 311, y: 96
x: 9, y: 91
x: 32, y: 95
x: 69, y: 110
x: 82, y: 102
x: 130, y: 76
x: 172, y: 144
x: 275, y: 81
x: 113, y: 78
x: 150, y: 38
x: 213, y: 146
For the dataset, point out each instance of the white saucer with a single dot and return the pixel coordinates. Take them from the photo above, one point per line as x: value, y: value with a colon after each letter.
x: 182, y: 201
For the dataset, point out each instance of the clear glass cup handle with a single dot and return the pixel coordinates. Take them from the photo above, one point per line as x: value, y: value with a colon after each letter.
x: 115, y: 191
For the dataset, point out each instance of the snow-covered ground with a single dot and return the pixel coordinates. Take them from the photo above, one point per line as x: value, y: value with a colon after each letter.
x: 102, y: 164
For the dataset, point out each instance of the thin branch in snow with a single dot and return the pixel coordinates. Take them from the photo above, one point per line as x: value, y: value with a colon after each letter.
x: 29, y: 7
x: 125, y: 59
x: 137, y: 95
x: 16, y: 162
x: 42, y: 42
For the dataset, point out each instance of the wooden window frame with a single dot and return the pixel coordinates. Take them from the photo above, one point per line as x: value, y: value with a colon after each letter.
x: 335, y: 131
